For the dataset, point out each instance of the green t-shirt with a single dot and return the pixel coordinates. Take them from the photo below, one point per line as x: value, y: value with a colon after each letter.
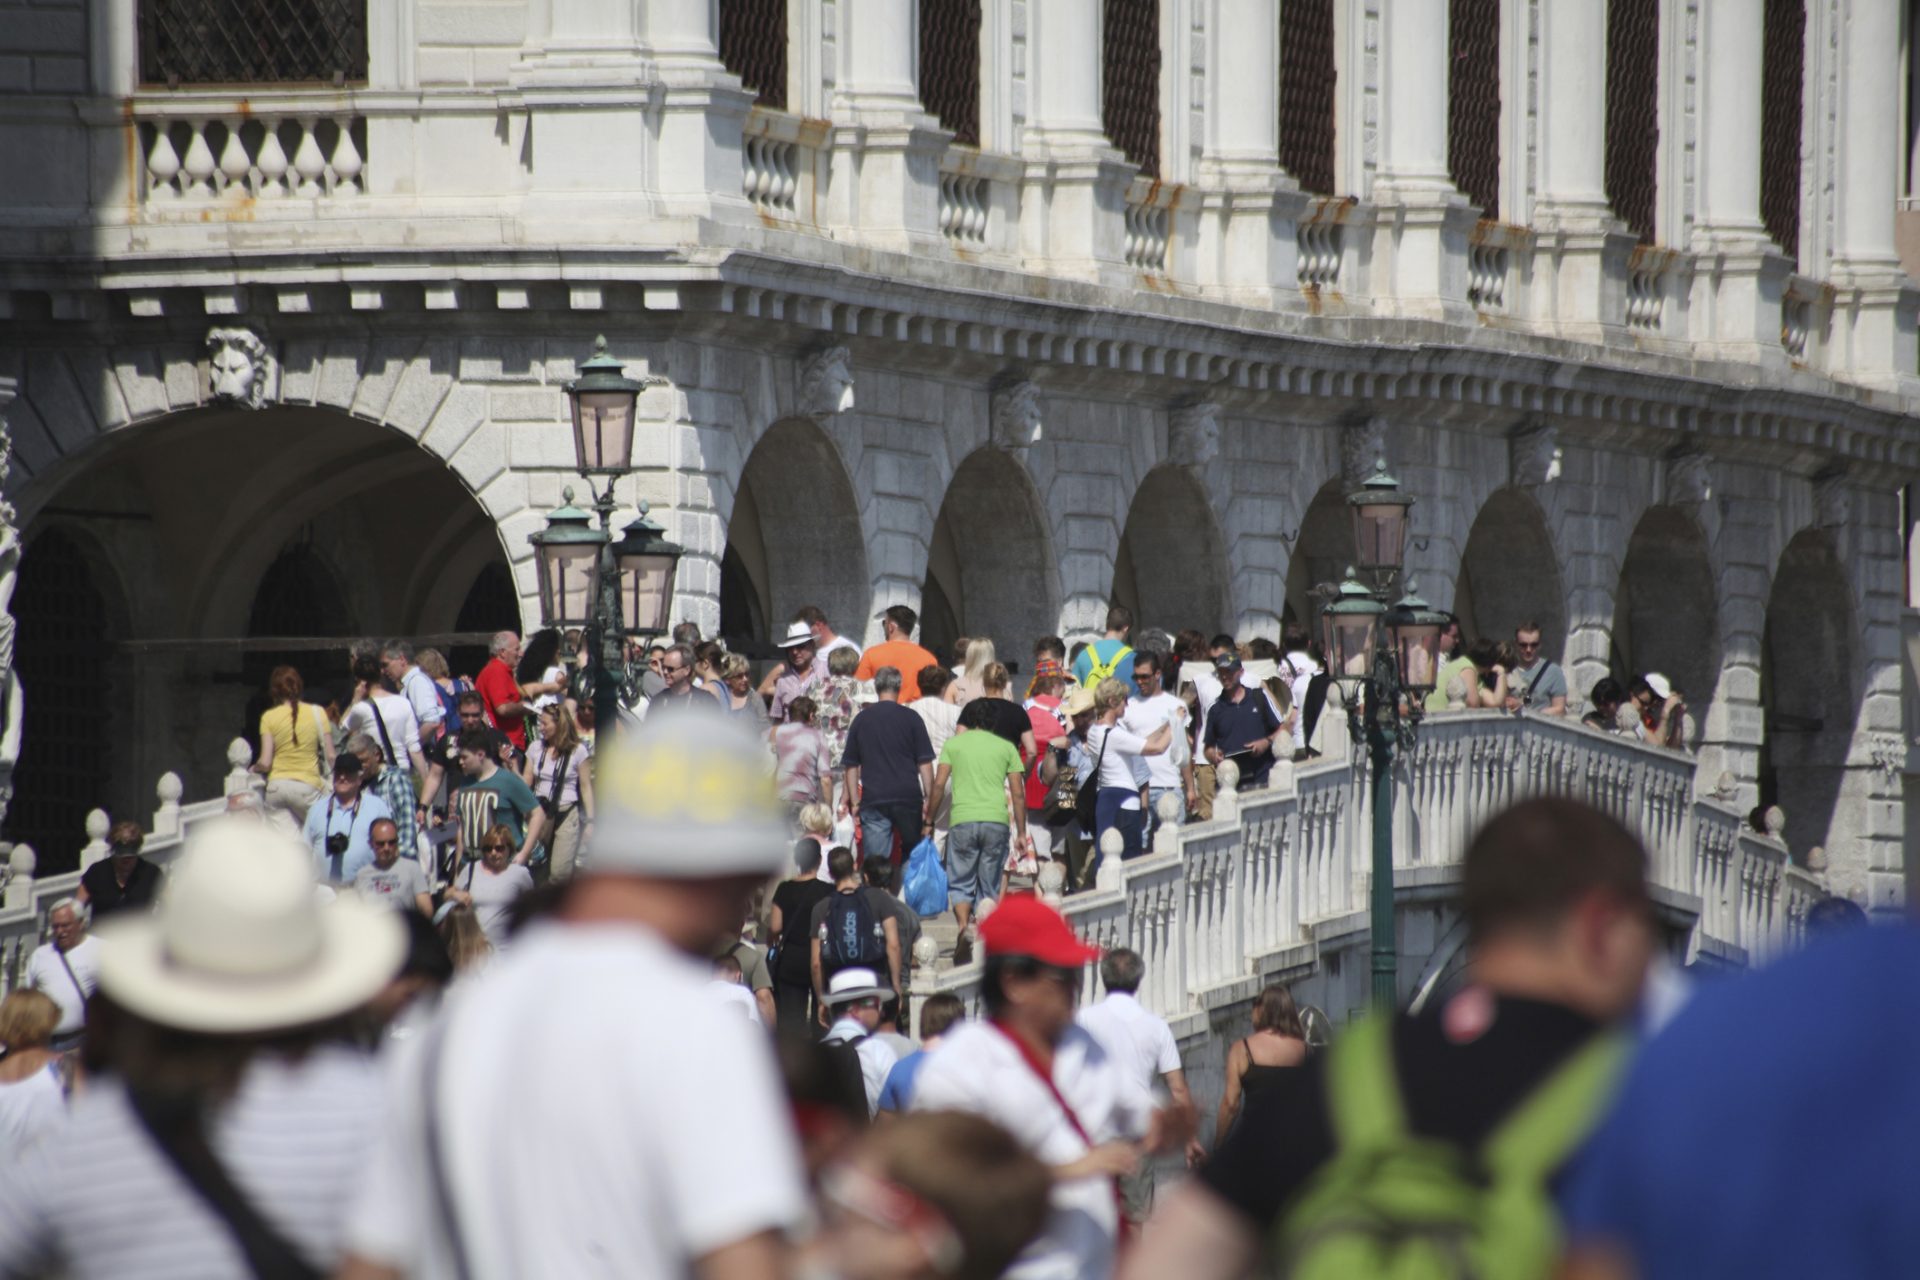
x: 1437, y: 700
x: 981, y: 760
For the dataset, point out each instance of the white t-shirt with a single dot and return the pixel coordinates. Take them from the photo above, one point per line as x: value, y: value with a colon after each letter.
x: 1140, y: 1042
x: 423, y: 696
x: 735, y: 998
x: 876, y: 1057
x: 48, y: 976
x: 976, y: 1068
x: 493, y: 895
x: 1206, y: 692
x: 30, y: 1109
x: 1122, y: 747
x: 99, y: 1201
x: 670, y: 1139
x: 397, y: 886
x: 548, y: 676
x: 402, y: 729
x: 1298, y: 670
x: 1144, y: 716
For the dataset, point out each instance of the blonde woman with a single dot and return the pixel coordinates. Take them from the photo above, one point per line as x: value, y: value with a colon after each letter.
x: 973, y: 679
x: 738, y: 695
x: 33, y: 1098
x: 1118, y: 749
x: 296, y: 748
x: 467, y: 943
x: 558, y: 773
x: 492, y: 885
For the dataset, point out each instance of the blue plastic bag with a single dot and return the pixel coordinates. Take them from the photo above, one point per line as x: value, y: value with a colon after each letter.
x: 925, y: 884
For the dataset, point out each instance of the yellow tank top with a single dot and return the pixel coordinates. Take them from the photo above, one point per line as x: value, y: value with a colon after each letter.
x: 298, y: 761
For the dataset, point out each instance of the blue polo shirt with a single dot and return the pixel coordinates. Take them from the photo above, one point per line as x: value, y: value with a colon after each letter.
x: 1232, y: 725
x: 897, y: 1093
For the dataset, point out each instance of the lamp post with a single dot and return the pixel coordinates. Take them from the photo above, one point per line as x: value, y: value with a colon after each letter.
x: 1385, y: 673
x: 613, y: 589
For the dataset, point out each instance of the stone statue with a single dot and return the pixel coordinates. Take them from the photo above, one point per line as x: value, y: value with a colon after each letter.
x: 1690, y: 479
x: 1361, y: 445
x: 1193, y: 435
x: 1016, y: 417
x: 1832, y: 501
x: 826, y: 383
x: 237, y: 366
x: 1535, y: 455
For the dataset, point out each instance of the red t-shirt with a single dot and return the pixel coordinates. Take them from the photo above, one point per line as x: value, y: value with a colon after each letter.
x: 1046, y: 729
x: 498, y: 687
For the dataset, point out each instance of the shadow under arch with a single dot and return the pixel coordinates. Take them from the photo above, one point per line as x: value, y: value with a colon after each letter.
x: 1807, y: 685
x: 1666, y: 610
x: 192, y: 510
x: 990, y: 569
x: 1322, y: 551
x: 1509, y: 575
x: 793, y: 539
x: 1171, y: 568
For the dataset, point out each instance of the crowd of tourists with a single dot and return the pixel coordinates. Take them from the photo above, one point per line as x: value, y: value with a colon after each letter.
x: 468, y: 997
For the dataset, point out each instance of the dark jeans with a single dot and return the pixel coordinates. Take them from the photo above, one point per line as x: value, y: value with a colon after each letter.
x: 1131, y: 823
x: 793, y: 1006
x: 881, y: 823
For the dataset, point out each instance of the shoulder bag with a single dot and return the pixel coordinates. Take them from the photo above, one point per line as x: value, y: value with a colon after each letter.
x: 1086, y: 802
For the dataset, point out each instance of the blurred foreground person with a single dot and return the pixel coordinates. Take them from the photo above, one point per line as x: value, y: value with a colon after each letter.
x: 1031, y: 1069
x: 1735, y: 1152
x: 228, y: 1120
x: 584, y: 1107
x: 1353, y: 1164
x: 935, y: 1196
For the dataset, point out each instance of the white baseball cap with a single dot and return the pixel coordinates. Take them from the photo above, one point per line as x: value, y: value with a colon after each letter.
x: 1661, y: 686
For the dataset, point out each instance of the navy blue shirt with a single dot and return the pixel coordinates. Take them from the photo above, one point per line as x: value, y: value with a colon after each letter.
x: 888, y: 743
x: 1232, y: 725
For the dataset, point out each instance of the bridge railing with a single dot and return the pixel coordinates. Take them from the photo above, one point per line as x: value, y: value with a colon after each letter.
x: 1228, y: 900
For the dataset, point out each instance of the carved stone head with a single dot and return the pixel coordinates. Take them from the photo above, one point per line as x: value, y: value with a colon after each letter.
x: 1361, y: 443
x: 1832, y: 501
x: 1535, y: 455
x: 1193, y: 435
x: 826, y: 383
x: 1689, y: 479
x: 1016, y: 416
x: 237, y: 365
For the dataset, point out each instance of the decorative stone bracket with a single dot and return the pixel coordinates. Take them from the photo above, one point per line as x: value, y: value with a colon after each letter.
x: 826, y: 383
x: 239, y: 366
x: 1362, y: 443
x: 1534, y: 455
x: 1017, y: 422
x: 1193, y: 434
x: 1690, y: 479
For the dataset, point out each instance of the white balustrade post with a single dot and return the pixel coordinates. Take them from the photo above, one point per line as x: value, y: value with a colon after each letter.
x: 21, y: 862
x: 98, y: 824
x: 1247, y: 250
x: 166, y: 817
x: 241, y: 779
x: 1074, y: 200
x: 1421, y: 239
x: 886, y: 148
x: 1743, y: 275
x: 1575, y: 227
x: 1874, y: 310
x: 1109, y: 878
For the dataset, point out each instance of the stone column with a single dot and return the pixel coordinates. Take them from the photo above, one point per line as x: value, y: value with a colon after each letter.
x: 1250, y: 208
x: 1874, y: 307
x: 1073, y: 205
x: 1576, y: 232
x: 1423, y: 224
x: 886, y: 148
x: 1741, y: 276
x: 697, y: 157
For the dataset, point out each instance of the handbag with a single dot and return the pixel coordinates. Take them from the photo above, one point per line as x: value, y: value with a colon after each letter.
x: 1086, y: 801
x: 1062, y: 801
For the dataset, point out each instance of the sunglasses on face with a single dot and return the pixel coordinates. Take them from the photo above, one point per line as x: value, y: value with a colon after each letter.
x: 493, y: 848
x: 387, y: 844
x: 1524, y: 647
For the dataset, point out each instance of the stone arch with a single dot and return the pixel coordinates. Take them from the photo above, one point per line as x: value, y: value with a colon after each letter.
x: 1322, y: 550
x: 1510, y: 574
x: 1807, y: 687
x: 991, y: 570
x: 70, y: 615
x: 1666, y: 612
x: 794, y: 538
x: 1171, y: 568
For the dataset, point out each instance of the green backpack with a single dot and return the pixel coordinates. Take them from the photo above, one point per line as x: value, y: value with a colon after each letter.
x: 1392, y: 1205
x: 1098, y: 670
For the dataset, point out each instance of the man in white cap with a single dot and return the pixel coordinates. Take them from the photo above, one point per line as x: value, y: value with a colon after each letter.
x: 856, y: 995
x: 227, y: 1134
x: 581, y: 1106
x: 799, y: 674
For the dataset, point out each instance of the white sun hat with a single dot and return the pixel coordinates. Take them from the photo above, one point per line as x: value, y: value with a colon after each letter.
x: 687, y: 796
x: 240, y: 942
x: 1661, y: 686
x: 856, y: 983
x: 798, y: 633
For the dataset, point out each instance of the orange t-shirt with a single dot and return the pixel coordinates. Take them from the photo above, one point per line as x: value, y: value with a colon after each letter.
x: 904, y: 655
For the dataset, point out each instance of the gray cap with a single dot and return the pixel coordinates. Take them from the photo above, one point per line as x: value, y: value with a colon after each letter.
x: 687, y: 797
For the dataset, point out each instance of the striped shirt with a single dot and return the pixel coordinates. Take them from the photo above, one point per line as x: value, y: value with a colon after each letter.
x: 100, y: 1200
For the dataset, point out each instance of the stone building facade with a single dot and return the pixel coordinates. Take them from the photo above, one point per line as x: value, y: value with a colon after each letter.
x: 1000, y: 309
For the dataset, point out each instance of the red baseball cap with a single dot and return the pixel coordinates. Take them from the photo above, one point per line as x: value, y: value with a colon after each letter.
x: 1022, y: 925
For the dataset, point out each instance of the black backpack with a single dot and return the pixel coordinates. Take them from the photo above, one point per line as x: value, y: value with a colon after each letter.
x: 852, y: 935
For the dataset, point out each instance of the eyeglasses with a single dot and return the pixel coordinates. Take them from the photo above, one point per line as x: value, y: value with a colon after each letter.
x: 666, y: 670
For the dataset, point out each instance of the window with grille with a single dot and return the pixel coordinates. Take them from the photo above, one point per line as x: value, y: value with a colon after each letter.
x: 1306, y: 93
x: 1633, y: 112
x: 1130, y: 70
x: 252, y: 41
x: 950, y: 65
x: 753, y: 45
x: 1783, y: 69
x: 1473, y: 101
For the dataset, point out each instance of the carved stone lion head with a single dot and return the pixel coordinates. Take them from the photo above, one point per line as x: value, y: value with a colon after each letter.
x: 237, y: 365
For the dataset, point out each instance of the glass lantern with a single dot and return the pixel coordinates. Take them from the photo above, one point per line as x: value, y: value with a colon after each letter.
x: 1380, y: 521
x: 646, y: 562
x: 1348, y: 629
x: 566, y: 558
x: 603, y: 400
x: 1413, y: 628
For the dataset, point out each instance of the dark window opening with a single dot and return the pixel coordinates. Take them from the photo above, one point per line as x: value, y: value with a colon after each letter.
x: 1782, y: 78
x: 753, y: 45
x: 1131, y: 81
x: 1473, y: 102
x: 252, y: 41
x: 1633, y: 112
x: 1307, y: 79
x: 950, y: 66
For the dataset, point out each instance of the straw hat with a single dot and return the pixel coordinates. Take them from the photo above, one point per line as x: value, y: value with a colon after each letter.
x: 239, y: 941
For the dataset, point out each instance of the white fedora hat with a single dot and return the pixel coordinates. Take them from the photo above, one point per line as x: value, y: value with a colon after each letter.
x: 240, y: 942
x: 856, y: 983
x: 798, y: 633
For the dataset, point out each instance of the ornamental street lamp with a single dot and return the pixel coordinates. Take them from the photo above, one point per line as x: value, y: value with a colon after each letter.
x: 614, y: 589
x: 1385, y: 661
